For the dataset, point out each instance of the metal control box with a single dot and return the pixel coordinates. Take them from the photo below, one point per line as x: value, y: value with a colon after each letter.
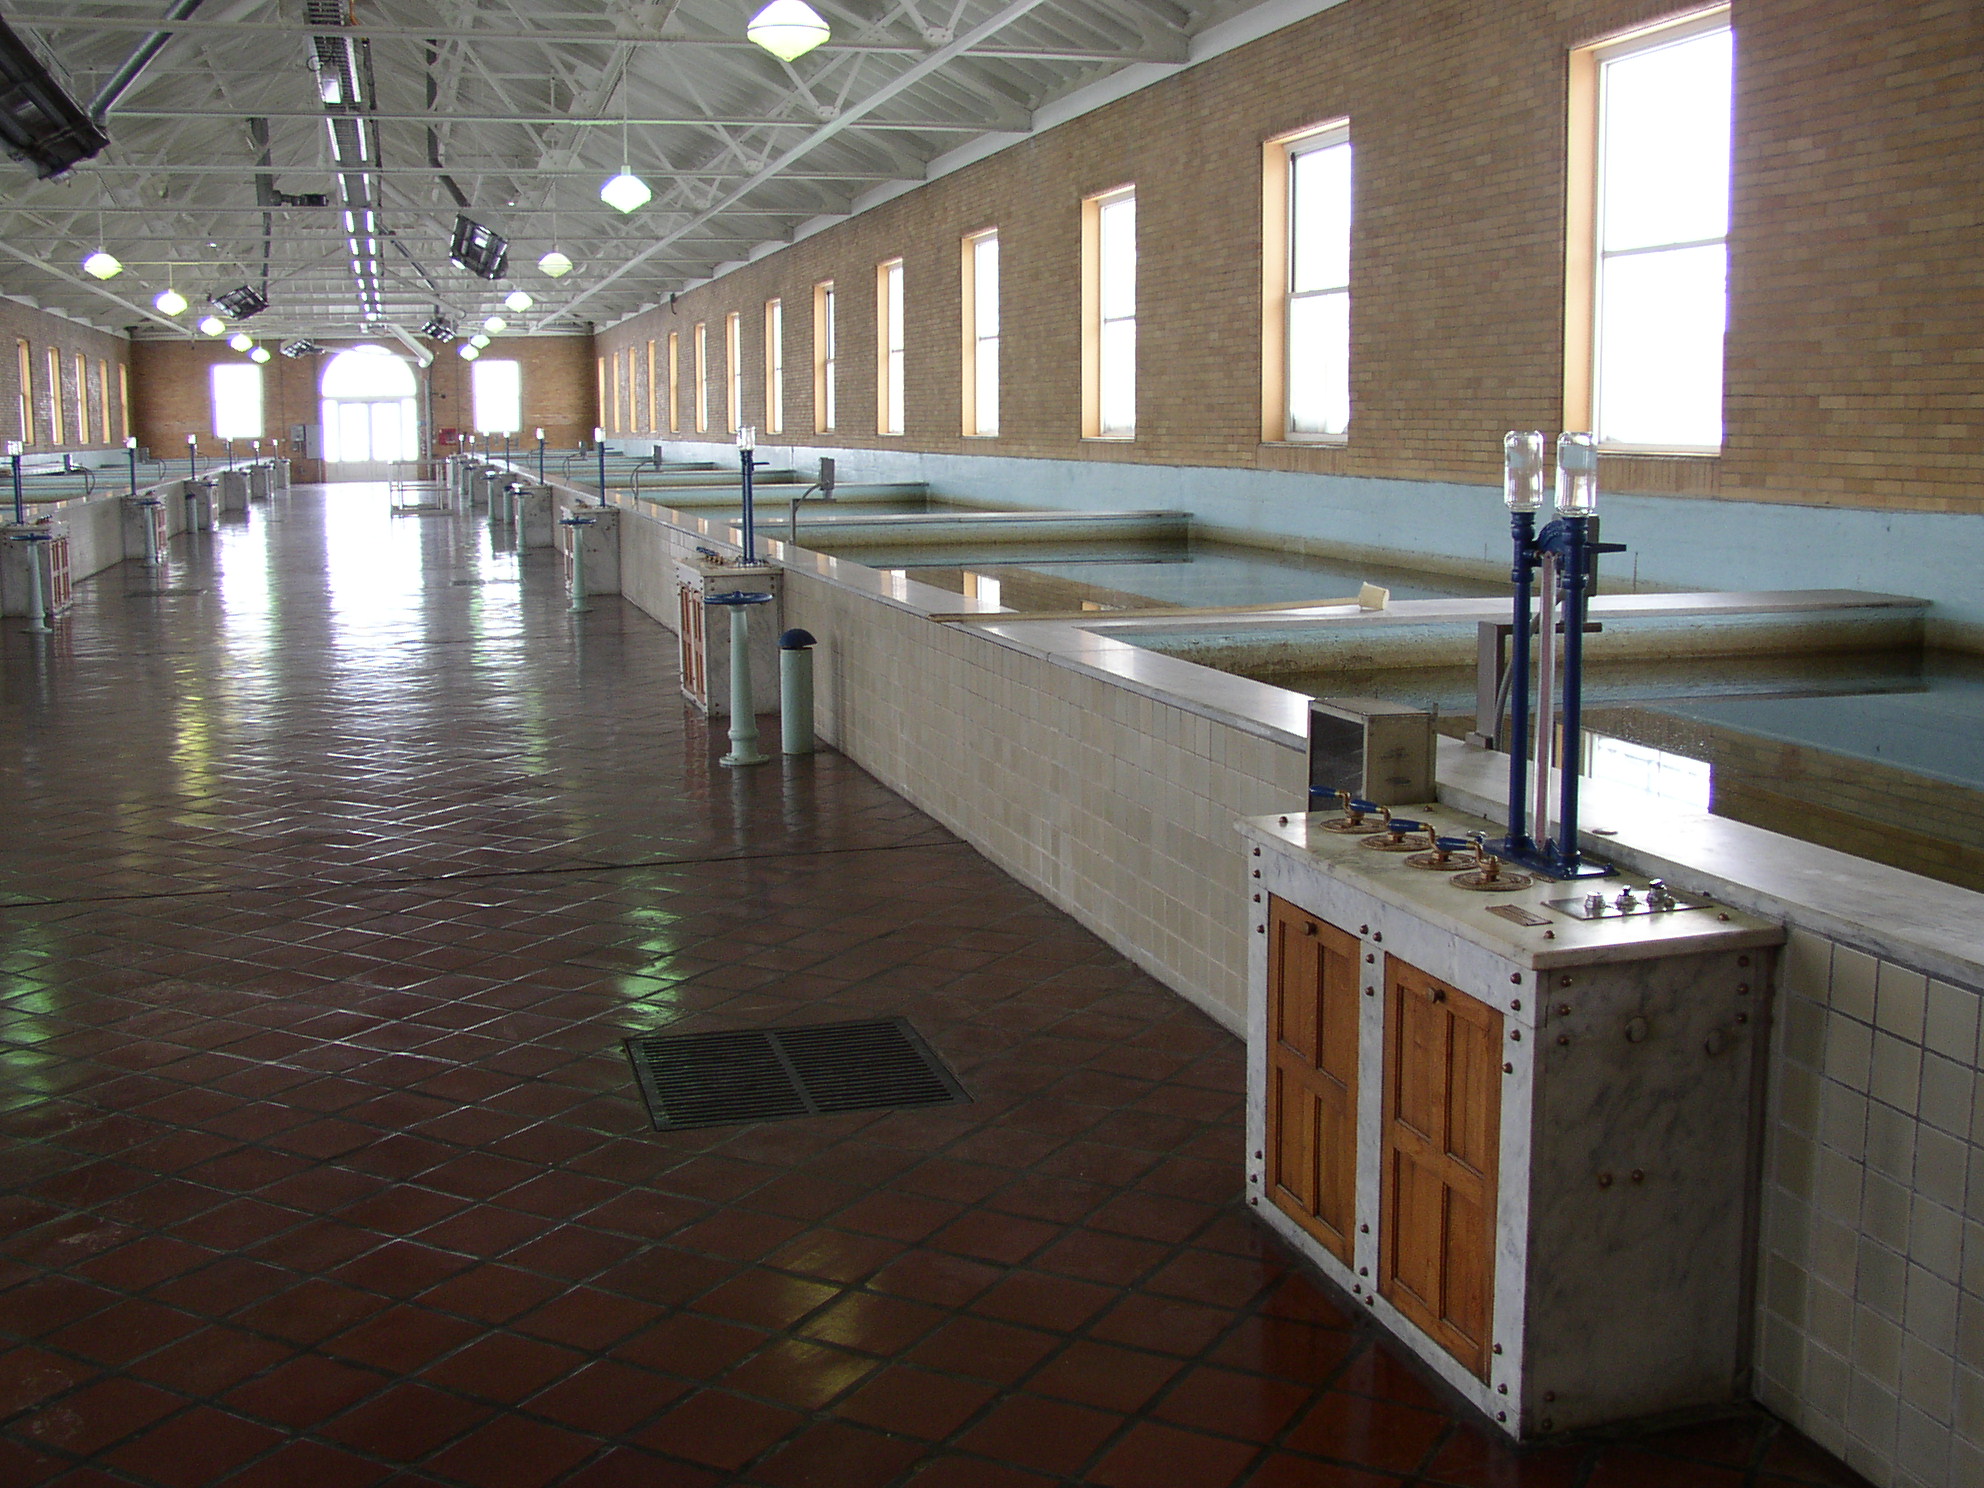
x: 1376, y: 750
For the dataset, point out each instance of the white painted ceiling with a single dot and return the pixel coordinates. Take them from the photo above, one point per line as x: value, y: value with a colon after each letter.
x: 519, y: 109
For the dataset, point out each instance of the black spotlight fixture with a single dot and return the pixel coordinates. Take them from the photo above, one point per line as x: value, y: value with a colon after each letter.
x: 438, y: 328
x: 239, y: 304
x: 300, y: 348
x: 483, y: 251
x: 40, y: 125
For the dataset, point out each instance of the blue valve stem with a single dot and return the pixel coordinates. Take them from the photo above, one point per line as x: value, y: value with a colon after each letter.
x: 1522, y: 527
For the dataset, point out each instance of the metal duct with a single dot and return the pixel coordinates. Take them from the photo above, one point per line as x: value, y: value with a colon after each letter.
x: 134, y: 67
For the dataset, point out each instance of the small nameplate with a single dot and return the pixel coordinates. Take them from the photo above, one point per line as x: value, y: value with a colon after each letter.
x: 1518, y: 914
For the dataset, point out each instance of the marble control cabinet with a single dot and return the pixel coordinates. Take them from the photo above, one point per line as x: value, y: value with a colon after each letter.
x: 1527, y: 1141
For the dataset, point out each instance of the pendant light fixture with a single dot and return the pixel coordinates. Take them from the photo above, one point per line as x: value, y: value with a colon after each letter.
x: 625, y: 192
x: 241, y: 341
x: 495, y: 325
x: 470, y: 351
x: 259, y: 354
x: 102, y: 264
x: 518, y: 301
x: 788, y: 29
x: 554, y: 265
x: 169, y: 300
x: 212, y: 325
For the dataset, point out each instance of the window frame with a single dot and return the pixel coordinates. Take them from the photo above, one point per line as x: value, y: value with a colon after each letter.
x: 891, y: 348
x: 1095, y: 327
x: 826, y: 359
x: 775, y: 365
x: 83, y: 399
x: 674, y: 382
x: 476, y: 375
x: 700, y: 350
x: 56, y: 414
x: 24, y: 358
x: 654, y: 400
x: 973, y: 422
x: 1584, y: 195
x: 733, y: 369
x: 1278, y: 294
x: 249, y: 374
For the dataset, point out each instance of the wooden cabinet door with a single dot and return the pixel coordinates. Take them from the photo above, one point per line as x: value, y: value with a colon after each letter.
x: 1312, y: 1074
x: 1442, y: 1127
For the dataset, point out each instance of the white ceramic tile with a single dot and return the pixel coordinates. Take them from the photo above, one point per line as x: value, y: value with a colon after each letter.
x: 1853, y: 979
x: 1897, y: 1072
x: 1901, y: 998
x: 1951, y: 1027
x: 1807, y: 965
x: 1849, y: 1051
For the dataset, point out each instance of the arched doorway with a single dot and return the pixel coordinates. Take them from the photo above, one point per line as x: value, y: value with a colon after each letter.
x: 371, y: 414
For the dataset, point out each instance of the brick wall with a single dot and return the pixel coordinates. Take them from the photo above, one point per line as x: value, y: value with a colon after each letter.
x: 1855, y: 314
x: 44, y: 332
x: 170, y: 397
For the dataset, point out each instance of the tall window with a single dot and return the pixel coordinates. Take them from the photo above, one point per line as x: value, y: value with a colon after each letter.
x: 124, y: 395
x: 55, y: 417
x: 654, y: 394
x: 674, y: 382
x: 1109, y: 304
x: 613, y: 422
x: 496, y: 389
x: 888, y: 347
x: 733, y: 366
x: 1305, y: 261
x: 237, y: 393
x: 103, y: 399
x: 825, y: 360
x: 82, y: 399
x: 1650, y: 207
x: 981, y: 334
x: 602, y: 404
x: 775, y: 366
x: 25, y: 361
x: 702, y: 377
x: 370, y: 407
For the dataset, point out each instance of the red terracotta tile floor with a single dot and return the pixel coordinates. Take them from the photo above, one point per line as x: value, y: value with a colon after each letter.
x: 333, y: 879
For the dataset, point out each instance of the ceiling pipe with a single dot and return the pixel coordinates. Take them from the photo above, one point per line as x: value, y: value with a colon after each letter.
x: 421, y: 353
x: 122, y: 80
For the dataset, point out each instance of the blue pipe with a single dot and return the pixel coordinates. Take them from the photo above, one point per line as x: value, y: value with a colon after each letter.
x: 20, y: 505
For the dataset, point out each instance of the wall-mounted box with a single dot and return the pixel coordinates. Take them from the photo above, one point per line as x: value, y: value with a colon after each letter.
x: 1376, y: 750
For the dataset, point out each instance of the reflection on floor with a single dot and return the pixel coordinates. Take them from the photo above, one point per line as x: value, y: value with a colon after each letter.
x: 340, y: 861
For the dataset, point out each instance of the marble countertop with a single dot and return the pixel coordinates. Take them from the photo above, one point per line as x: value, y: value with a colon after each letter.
x: 1559, y: 939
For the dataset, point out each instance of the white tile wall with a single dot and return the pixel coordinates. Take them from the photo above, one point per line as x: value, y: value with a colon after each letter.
x: 1117, y: 808
x: 1871, y: 1338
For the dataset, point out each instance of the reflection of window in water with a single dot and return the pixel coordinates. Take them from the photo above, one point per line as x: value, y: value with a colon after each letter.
x: 981, y: 586
x: 1656, y: 772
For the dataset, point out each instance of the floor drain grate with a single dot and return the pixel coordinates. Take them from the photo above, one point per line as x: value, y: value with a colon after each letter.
x: 777, y: 1074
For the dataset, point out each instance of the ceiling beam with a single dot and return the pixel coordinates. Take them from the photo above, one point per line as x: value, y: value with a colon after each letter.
x: 677, y: 121
x: 908, y: 78
x: 461, y: 168
x: 68, y: 21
